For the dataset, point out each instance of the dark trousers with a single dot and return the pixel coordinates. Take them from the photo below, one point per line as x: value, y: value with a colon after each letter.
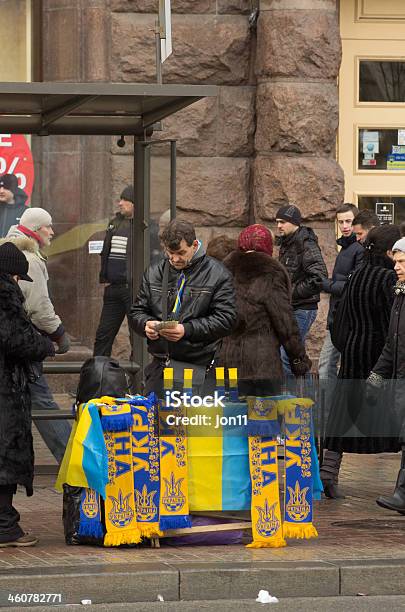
x: 116, y: 304
x: 10, y: 530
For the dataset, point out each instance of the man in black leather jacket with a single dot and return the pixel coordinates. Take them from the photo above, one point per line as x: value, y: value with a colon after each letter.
x: 301, y: 255
x: 200, y: 297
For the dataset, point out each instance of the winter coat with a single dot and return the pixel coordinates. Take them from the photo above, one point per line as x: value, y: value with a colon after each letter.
x: 391, y: 363
x: 10, y: 214
x: 37, y: 301
x: 301, y: 255
x: 370, y: 294
x: 113, y: 228
x: 20, y: 344
x: 208, y: 310
x: 348, y: 259
x: 265, y: 320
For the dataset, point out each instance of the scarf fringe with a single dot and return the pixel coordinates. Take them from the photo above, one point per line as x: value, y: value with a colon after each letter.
x: 299, y: 532
x: 278, y: 542
x: 149, y: 531
x: 174, y: 522
x: 91, y: 529
x: 116, y: 422
x: 127, y: 537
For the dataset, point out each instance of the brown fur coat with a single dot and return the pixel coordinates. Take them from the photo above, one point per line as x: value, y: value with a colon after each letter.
x: 265, y: 319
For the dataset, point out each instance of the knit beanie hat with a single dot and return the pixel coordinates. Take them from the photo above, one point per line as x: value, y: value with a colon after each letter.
x: 128, y: 194
x: 256, y: 238
x: 34, y: 218
x: 290, y: 213
x: 10, y: 182
x: 13, y: 261
x: 399, y: 246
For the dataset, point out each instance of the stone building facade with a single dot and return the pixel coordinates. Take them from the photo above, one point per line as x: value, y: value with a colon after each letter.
x: 267, y: 139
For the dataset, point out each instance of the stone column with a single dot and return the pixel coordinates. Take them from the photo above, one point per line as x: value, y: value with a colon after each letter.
x: 297, y: 64
x: 73, y: 172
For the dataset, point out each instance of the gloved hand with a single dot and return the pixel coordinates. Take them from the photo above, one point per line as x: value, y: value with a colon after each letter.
x: 374, y: 388
x: 300, y: 367
x: 63, y: 343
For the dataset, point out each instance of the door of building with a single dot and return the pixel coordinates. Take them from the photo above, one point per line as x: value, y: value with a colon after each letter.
x: 371, y: 141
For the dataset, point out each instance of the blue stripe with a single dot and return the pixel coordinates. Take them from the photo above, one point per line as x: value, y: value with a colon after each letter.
x: 95, y: 461
x: 236, y: 489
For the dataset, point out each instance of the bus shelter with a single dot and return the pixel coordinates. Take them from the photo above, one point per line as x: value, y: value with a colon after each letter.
x: 109, y: 109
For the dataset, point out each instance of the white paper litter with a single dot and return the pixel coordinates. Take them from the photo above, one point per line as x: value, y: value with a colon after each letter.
x: 86, y: 602
x: 160, y: 598
x: 265, y: 597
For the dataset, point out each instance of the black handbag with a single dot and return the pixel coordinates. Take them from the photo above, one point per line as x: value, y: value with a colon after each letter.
x: 339, y: 331
x: 199, y: 371
x: 100, y: 376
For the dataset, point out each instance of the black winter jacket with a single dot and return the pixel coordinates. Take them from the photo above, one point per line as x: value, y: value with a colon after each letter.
x: 112, y: 228
x: 20, y: 345
x: 10, y: 214
x: 208, y: 309
x: 348, y: 259
x: 301, y: 255
x: 391, y: 363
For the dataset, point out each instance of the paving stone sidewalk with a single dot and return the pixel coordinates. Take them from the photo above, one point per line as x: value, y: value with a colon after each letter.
x: 353, y: 528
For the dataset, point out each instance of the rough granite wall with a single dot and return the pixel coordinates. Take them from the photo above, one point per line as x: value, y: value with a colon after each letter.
x: 297, y: 63
x: 268, y: 138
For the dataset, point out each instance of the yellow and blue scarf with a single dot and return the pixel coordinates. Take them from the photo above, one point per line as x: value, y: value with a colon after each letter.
x: 174, y: 501
x: 146, y: 469
x: 120, y: 512
x: 300, y: 468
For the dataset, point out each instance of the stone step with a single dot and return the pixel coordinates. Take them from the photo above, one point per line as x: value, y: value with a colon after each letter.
x: 394, y: 603
x: 207, y: 581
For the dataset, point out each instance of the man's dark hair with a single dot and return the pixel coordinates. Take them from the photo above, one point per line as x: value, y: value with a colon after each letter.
x: 367, y: 219
x: 174, y: 233
x: 346, y: 207
x: 402, y: 228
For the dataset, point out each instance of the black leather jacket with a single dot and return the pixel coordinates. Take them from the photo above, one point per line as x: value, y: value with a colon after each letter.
x: 301, y: 255
x: 208, y: 310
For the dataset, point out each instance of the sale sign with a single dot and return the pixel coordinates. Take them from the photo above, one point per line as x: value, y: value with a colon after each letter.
x: 16, y: 158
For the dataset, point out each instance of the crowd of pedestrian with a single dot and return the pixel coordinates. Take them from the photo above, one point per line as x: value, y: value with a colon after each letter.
x: 236, y: 305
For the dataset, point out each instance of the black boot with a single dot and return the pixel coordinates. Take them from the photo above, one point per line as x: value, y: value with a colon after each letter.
x: 330, y: 474
x: 397, y: 501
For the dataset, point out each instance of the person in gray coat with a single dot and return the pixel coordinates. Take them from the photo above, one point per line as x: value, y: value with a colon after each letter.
x: 32, y: 234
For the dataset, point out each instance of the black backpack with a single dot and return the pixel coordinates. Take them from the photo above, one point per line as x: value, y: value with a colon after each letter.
x: 101, y: 376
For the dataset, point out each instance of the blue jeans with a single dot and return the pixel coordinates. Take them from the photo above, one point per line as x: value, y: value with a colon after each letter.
x: 55, y: 433
x: 305, y: 319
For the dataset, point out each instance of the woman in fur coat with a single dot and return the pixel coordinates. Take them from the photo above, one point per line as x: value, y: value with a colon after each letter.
x: 265, y: 316
x: 20, y: 345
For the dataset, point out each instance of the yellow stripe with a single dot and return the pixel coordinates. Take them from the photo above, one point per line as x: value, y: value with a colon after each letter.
x: 168, y: 378
x: 205, y: 463
x: 75, y: 475
x: 188, y: 378
x: 233, y: 377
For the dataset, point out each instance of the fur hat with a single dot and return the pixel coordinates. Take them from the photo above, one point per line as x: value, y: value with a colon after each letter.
x: 34, y: 218
x: 13, y: 261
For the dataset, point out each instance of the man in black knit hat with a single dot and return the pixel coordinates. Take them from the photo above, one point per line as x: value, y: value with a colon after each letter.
x: 115, y: 274
x: 301, y: 255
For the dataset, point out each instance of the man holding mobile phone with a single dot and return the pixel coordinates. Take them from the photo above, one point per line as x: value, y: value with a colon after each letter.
x: 185, y: 306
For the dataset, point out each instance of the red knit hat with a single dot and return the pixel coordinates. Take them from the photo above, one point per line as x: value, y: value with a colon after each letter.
x: 256, y: 238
